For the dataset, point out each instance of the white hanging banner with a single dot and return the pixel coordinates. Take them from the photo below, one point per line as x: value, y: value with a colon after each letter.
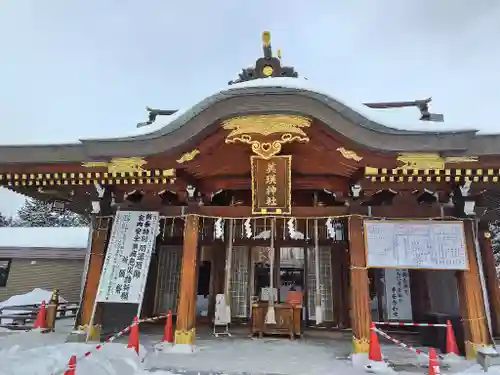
x: 126, y: 266
x: 397, y: 294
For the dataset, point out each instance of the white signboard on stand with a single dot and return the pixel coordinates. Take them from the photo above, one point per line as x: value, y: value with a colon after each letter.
x: 416, y: 244
x: 126, y: 266
x: 397, y: 294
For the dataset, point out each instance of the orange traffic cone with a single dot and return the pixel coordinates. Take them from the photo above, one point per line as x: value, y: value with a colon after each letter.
x: 40, y: 321
x: 451, y: 342
x: 133, y: 338
x: 375, y: 354
x: 71, y: 369
x: 433, y: 363
x: 168, y: 335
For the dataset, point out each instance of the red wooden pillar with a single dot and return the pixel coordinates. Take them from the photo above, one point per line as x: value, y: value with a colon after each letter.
x: 360, y: 290
x: 185, y: 329
x: 490, y: 276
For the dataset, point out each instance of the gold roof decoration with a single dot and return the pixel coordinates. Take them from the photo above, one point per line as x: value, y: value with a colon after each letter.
x: 349, y: 154
x: 188, y: 156
x: 267, y: 125
x: 431, y: 160
x: 267, y: 133
x: 119, y: 165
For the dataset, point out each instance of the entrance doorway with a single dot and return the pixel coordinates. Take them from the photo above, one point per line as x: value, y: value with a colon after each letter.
x: 291, y: 271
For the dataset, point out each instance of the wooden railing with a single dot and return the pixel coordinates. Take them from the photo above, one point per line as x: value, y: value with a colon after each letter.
x: 23, y: 316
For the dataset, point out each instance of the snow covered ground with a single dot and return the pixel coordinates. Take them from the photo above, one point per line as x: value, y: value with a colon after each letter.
x: 33, y: 353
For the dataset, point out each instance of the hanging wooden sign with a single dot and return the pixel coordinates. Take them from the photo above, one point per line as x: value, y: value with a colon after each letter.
x: 271, y: 185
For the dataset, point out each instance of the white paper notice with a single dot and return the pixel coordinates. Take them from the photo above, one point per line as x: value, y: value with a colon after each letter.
x: 128, y: 256
x: 416, y: 244
x: 397, y: 294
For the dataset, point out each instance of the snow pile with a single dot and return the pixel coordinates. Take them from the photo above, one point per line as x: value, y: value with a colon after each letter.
x: 478, y: 370
x: 113, y: 359
x: 35, y: 297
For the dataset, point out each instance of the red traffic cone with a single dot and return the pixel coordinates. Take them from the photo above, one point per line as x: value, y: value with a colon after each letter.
x: 71, y: 369
x: 433, y: 363
x: 133, y: 338
x: 40, y: 321
x: 451, y: 342
x: 375, y: 354
x: 168, y: 335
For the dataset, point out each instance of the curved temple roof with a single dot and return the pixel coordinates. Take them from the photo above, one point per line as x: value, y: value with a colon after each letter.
x: 267, y: 95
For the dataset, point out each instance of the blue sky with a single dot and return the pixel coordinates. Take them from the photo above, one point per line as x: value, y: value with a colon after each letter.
x: 85, y: 69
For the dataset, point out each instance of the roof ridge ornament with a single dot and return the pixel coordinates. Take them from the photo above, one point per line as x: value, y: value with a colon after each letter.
x: 422, y: 105
x: 153, y: 113
x: 267, y: 66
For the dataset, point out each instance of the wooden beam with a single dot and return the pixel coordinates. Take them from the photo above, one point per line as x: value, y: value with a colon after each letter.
x: 476, y: 187
x: 471, y: 300
x: 390, y: 211
x: 360, y: 293
x: 100, y: 232
x: 299, y: 182
x: 369, y: 185
x: 185, y: 330
x: 484, y: 237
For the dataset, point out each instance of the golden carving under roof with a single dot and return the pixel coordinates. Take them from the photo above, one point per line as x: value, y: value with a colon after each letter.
x: 267, y: 133
x: 431, y: 160
x: 119, y: 165
x: 348, y: 154
x: 188, y: 156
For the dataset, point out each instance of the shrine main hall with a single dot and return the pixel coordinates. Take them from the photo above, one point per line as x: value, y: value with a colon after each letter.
x: 296, y: 209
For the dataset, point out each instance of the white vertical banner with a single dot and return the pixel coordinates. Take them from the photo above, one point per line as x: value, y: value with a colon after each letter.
x: 397, y: 294
x: 126, y: 266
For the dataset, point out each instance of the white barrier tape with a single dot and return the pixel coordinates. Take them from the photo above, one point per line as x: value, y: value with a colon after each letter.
x: 402, y: 344
x: 110, y: 340
x: 401, y: 324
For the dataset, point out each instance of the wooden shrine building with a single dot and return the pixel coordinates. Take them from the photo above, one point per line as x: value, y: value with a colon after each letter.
x: 271, y: 184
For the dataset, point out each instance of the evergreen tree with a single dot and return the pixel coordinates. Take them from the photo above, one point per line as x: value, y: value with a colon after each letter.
x: 495, y: 243
x: 5, y: 221
x: 36, y: 213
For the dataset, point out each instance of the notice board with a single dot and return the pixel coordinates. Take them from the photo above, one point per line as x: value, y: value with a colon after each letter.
x: 415, y: 244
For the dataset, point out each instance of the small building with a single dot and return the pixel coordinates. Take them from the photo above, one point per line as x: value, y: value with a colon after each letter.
x: 46, y: 258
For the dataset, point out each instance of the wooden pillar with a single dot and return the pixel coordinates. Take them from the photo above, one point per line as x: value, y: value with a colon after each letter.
x: 360, y: 293
x: 100, y: 233
x: 185, y: 330
x: 471, y: 300
x: 491, y: 278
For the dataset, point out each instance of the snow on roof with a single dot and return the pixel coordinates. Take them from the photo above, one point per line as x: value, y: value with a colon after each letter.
x: 49, y: 237
x: 391, y: 119
x: 400, y: 119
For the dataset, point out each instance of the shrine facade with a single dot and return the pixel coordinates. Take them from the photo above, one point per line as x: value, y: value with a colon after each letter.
x: 271, y: 187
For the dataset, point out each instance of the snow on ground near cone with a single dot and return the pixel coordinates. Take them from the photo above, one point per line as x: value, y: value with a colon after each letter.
x: 35, y: 297
x: 378, y: 368
x: 113, y: 359
x: 478, y: 370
